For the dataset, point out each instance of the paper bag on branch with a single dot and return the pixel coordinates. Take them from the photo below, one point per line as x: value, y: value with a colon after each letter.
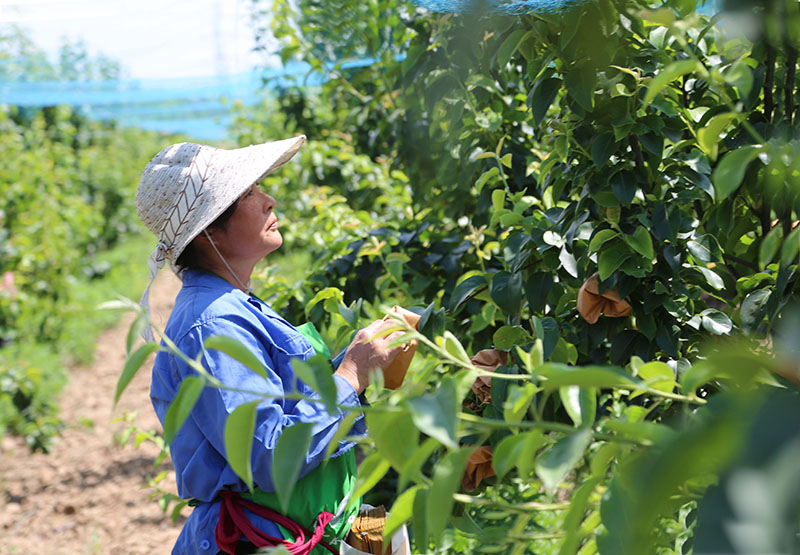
x: 591, y: 303
x: 395, y: 373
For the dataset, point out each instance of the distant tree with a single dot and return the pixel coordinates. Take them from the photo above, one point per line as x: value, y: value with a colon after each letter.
x: 22, y: 60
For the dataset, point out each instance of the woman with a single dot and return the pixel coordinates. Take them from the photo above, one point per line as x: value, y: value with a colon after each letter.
x: 214, y: 225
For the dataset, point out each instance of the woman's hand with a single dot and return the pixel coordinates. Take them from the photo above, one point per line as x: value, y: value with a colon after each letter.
x: 364, y: 356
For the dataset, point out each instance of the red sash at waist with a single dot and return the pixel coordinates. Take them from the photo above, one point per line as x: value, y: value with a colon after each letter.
x: 233, y: 523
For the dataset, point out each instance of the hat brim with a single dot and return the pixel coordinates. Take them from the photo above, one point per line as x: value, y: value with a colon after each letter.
x: 236, y: 171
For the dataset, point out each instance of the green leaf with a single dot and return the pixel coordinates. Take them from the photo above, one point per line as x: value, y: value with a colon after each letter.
x: 667, y: 75
x: 395, y: 436
x: 401, y: 511
x: 343, y: 429
x: 508, y: 336
x: 580, y: 83
x: 603, y: 146
x: 537, y: 288
x: 729, y: 173
x: 239, y: 429
x: 290, y: 452
x: 517, y: 401
x: 324, y: 294
x: 236, y: 350
x: 639, y: 431
x: 453, y: 346
x: 559, y: 375
x: 657, y: 375
x: 182, y: 405
x: 412, y: 467
x: 419, y: 513
x: 610, y: 260
x: 135, y: 331
x: 506, y: 454
x: 574, y: 516
x: 547, y: 330
x: 316, y: 373
x: 600, y: 238
x: 494, y: 171
x: 506, y: 291
x: 446, y: 481
x: 708, y: 136
x: 531, y: 359
x: 464, y: 289
x: 534, y: 440
x: 641, y: 242
x: 769, y: 246
x: 132, y: 365
x: 580, y: 403
x: 370, y: 472
x: 716, y: 322
x: 705, y: 248
x: 498, y: 199
x: 754, y: 308
x: 435, y: 413
x: 712, y: 278
x: 509, y: 46
x: 562, y: 457
x: 542, y: 97
x: 791, y: 247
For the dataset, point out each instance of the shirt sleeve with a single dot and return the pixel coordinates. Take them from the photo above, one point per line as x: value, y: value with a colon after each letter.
x: 274, y: 413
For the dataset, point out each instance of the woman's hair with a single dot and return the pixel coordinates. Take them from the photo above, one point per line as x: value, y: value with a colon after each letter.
x: 190, y: 257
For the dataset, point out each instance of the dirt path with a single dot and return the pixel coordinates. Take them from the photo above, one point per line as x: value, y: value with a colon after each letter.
x: 86, y: 496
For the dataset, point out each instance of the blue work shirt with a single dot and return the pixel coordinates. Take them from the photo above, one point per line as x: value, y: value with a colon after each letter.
x: 207, y: 306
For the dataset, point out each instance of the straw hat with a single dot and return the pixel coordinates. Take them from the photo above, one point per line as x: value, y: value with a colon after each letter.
x: 186, y: 186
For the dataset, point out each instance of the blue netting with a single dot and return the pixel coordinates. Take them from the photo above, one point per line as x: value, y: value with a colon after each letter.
x: 193, y: 106
x: 516, y: 7
x: 498, y: 6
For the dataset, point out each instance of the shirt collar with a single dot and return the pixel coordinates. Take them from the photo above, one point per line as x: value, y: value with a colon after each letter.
x: 199, y: 278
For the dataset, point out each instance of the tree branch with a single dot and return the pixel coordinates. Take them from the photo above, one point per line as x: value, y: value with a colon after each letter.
x: 788, y: 87
x: 769, y: 82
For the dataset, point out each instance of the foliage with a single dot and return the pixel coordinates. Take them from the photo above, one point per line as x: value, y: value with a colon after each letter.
x: 22, y: 60
x: 481, y: 170
x: 68, y: 185
x: 649, y: 144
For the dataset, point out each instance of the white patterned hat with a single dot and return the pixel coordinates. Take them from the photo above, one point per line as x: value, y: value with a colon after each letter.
x: 186, y: 186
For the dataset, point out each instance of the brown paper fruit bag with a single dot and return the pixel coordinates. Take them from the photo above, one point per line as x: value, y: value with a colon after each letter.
x: 395, y: 373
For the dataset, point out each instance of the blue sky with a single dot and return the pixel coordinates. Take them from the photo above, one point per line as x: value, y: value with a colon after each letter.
x: 150, y: 38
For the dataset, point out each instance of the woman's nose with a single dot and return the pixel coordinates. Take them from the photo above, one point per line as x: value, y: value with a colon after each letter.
x: 269, y: 202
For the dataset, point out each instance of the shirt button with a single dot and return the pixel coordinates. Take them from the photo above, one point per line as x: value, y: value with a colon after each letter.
x: 205, y: 544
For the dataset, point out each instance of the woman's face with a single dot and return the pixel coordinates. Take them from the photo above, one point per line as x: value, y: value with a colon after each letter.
x: 252, y: 232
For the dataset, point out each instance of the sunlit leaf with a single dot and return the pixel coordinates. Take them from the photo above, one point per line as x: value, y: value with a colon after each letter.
x: 132, y: 365
x: 182, y: 405
x: 400, y: 512
x: 641, y: 242
x: 290, y: 453
x: 580, y: 403
x: 769, y: 246
x: 562, y: 457
x: 729, y: 173
x: 436, y: 413
x: 236, y: 350
x: 239, y: 430
x: 446, y: 481
x: 667, y: 75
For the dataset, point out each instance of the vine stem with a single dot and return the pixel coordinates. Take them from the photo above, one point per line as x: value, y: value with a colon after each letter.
x: 548, y: 426
x: 531, y: 506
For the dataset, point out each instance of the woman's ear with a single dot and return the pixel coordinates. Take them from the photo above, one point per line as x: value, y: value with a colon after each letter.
x: 205, y: 237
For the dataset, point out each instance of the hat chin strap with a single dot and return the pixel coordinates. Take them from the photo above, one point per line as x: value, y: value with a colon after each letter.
x: 154, y: 264
x: 248, y: 290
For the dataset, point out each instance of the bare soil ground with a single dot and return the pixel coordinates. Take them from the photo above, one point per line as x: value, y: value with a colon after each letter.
x: 87, y: 495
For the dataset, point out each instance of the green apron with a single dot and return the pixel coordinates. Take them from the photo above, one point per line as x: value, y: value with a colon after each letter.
x: 326, y: 488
